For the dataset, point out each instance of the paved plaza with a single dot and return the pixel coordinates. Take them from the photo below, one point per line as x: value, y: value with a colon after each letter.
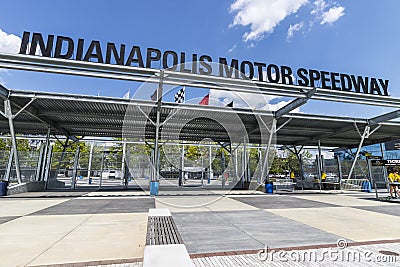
x: 218, y: 228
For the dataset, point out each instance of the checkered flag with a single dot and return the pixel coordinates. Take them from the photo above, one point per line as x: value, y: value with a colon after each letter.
x: 180, y: 96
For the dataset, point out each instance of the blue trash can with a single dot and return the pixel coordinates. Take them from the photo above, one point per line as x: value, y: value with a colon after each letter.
x: 363, y: 186
x: 269, y: 188
x: 3, y: 188
x: 154, y: 188
x: 368, y: 187
x: 90, y: 180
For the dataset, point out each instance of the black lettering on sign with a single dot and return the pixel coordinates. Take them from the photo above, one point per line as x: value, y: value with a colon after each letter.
x: 325, y: 80
x: 94, y: 52
x: 174, y: 60
x: 345, y: 82
x: 224, y: 68
x: 286, y: 73
x: 79, y: 49
x: 64, y: 48
x: 260, y: 71
x: 118, y: 57
x: 45, y: 50
x: 183, y: 63
x: 135, y: 56
x: 59, y: 44
x: 360, y: 83
x: 273, y: 74
x: 314, y: 76
x: 335, y: 80
x: 247, y: 74
x: 24, y: 42
x: 385, y: 85
x: 205, y: 68
x: 150, y: 57
x: 303, y: 79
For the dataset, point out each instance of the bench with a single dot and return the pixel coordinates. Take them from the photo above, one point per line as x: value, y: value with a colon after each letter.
x: 164, y: 244
x: 284, y: 184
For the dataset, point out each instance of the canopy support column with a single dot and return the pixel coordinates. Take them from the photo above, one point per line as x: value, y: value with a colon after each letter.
x: 210, y: 171
x: 75, y: 170
x: 340, y: 172
x: 363, y: 136
x: 123, y: 169
x: 9, y: 166
x: 156, y: 167
x: 10, y: 117
x: 45, y: 153
x: 182, y: 172
x: 40, y: 163
x: 319, y: 163
x: 47, y: 168
x: 90, y: 160
x: 245, y: 162
x: 265, y: 168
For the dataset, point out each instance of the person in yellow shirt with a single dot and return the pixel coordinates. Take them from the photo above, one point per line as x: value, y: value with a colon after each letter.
x: 323, y: 180
x: 392, y: 178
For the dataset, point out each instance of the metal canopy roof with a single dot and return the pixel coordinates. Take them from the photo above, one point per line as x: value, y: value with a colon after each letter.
x: 77, y: 115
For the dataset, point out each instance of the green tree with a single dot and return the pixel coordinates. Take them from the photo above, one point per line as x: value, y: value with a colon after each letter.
x: 253, y: 160
x: 192, y: 152
x: 293, y: 160
x: 4, y: 144
x: 217, y: 165
x: 279, y: 165
x: 67, y: 161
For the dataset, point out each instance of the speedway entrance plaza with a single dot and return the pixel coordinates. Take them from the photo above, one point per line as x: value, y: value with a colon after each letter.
x: 166, y: 128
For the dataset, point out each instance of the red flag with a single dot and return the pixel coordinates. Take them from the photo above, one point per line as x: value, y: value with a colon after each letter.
x: 205, y: 100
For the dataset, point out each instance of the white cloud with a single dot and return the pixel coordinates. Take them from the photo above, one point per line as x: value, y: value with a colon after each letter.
x: 246, y: 100
x: 262, y: 15
x: 9, y: 43
x: 240, y: 100
x: 232, y: 48
x: 294, y: 28
x: 323, y: 14
x: 281, y: 104
x: 332, y: 15
x: 319, y: 7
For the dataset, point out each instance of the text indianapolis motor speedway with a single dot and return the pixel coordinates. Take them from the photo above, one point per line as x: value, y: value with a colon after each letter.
x: 66, y: 48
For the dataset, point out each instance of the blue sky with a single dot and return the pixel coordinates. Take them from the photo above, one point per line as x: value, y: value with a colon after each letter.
x: 358, y: 37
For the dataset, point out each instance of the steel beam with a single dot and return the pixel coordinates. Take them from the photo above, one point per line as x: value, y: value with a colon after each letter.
x: 265, y: 168
x: 9, y: 165
x: 48, y: 166
x: 90, y: 160
x: 9, y: 115
x: 75, y: 168
x: 31, y: 110
x: 384, y: 118
x: 364, y: 135
x: 98, y: 70
x: 41, y: 160
x: 298, y: 102
x: 156, y: 174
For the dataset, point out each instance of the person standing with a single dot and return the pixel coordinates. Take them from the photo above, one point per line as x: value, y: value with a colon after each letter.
x: 323, y: 180
x: 392, y: 178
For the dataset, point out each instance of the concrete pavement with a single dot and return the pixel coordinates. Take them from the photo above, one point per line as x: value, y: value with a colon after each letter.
x: 100, y: 228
